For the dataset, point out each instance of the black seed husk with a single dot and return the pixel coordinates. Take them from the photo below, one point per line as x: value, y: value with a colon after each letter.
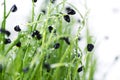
x: 1, y: 68
x: 5, y: 32
x: 39, y: 36
x: 53, y: 1
x: 17, y: 28
x: 54, y: 31
x: 35, y: 1
x: 44, y: 11
x: 79, y: 38
x: 70, y: 11
x: 78, y: 54
x: 66, y: 39
x: 14, y: 8
x: 36, y: 34
x: 68, y: 8
x: 50, y: 28
x: 47, y: 66
x: 33, y: 34
x: 25, y: 69
x: 80, y: 69
x: 7, y: 41
x: 18, y: 44
x: 57, y: 45
x: 66, y: 18
x: 90, y: 47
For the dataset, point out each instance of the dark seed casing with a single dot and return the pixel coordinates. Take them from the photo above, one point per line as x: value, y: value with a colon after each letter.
x: 57, y: 45
x: 80, y: 69
x: 36, y: 34
x: 25, y: 69
x: 14, y: 8
x: 35, y: 1
x: 66, y: 39
x: 70, y: 11
x: 47, y: 66
x: 7, y: 41
x: 39, y: 36
x: 17, y: 28
x: 53, y: 1
x: 67, y: 18
x: 18, y: 44
x: 90, y: 47
x: 5, y: 32
x: 50, y: 28
x: 43, y: 11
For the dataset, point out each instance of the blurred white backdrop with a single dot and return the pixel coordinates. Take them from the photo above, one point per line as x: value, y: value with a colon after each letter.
x: 104, y: 25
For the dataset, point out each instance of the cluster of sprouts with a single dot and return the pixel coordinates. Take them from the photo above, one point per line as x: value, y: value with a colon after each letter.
x: 47, y: 50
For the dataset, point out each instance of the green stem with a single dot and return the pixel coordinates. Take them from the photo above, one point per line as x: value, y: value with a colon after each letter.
x: 39, y: 66
x: 31, y: 28
x: 7, y: 14
x: 11, y: 46
x: 37, y: 20
x: 75, y: 68
x: 2, y: 36
x: 68, y: 50
x: 4, y: 21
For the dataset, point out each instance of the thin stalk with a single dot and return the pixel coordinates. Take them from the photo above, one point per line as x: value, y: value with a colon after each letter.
x: 38, y: 66
x: 32, y: 11
x: 7, y: 14
x: 31, y: 28
x: 37, y: 20
x: 55, y: 75
x: 2, y: 36
x: 4, y: 20
x: 45, y: 26
x: 11, y: 46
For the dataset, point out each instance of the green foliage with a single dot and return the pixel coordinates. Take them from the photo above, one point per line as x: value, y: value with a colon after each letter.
x: 36, y: 58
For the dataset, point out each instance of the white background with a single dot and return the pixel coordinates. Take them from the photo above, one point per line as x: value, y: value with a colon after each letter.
x: 104, y: 24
